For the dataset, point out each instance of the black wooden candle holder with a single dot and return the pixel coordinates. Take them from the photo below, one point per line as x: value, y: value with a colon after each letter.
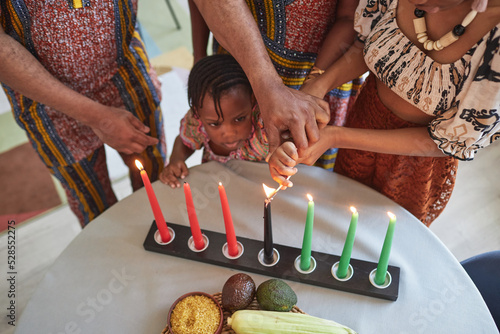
x: 322, y: 275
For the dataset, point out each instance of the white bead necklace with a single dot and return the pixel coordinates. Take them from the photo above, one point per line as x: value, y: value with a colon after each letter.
x: 446, y: 40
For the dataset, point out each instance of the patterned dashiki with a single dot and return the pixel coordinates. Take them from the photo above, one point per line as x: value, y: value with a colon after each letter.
x: 293, y: 32
x: 464, y: 95
x: 194, y: 136
x: 92, y: 47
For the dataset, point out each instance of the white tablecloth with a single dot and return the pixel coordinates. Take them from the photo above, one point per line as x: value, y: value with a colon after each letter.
x: 105, y: 282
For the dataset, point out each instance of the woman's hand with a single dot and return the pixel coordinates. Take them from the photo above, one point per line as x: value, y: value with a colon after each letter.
x: 310, y: 155
x: 284, y: 159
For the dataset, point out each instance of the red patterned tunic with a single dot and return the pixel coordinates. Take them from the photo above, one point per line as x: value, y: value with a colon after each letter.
x: 92, y: 47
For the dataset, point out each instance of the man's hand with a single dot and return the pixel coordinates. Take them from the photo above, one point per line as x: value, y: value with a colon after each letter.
x: 121, y: 130
x: 284, y: 109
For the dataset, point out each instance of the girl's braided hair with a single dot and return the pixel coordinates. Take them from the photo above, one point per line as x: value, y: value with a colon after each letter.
x: 214, y: 75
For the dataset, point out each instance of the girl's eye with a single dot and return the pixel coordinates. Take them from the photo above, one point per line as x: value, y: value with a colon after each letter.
x: 240, y: 119
x: 214, y: 124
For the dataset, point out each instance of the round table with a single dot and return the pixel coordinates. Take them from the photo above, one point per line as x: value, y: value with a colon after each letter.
x: 106, y: 282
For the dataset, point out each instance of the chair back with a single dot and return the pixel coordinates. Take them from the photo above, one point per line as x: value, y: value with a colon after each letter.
x: 484, y: 270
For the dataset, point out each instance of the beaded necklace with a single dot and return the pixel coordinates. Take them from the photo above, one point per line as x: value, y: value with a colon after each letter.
x: 446, y: 40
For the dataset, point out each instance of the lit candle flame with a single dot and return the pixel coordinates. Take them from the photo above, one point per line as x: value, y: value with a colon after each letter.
x: 310, y: 197
x: 139, y: 165
x: 353, y: 209
x: 391, y: 215
x: 220, y: 183
x: 269, y: 191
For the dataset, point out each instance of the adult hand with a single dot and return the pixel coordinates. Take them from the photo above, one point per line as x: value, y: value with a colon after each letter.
x: 312, y: 153
x: 24, y: 73
x: 284, y: 159
x: 284, y: 109
x: 121, y: 130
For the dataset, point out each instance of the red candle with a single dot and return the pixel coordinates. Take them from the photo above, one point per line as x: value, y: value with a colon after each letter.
x: 232, y: 245
x: 193, y: 219
x: 160, y: 221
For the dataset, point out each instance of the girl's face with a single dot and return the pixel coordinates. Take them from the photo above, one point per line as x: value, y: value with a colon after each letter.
x: 434, y: 6
x: 231, y: 133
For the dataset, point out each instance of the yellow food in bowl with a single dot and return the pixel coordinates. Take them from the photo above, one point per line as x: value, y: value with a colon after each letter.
x: 195, y: 314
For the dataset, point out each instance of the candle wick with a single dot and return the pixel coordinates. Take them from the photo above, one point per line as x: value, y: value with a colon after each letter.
x: 270, y: 198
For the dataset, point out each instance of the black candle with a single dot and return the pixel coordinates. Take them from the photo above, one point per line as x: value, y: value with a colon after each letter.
x: 268, y: 233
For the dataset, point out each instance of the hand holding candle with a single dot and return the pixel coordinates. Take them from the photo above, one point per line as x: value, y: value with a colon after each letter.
x: 271, y: 195
x: 160, y: 221
x: 383, y: 261
x: 193, y: 219
x: 305, y: 255
x: 232, y: 244
x: 349, y: 242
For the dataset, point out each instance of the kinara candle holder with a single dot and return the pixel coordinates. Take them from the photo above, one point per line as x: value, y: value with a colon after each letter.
x: 284, y: 268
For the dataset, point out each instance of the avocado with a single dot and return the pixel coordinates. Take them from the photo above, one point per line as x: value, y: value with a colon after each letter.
x: 276, y: 295
x: 238, y: 292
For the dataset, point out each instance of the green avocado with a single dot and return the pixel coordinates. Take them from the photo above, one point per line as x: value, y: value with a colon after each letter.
x: 238, y: 292
x: 276, y: 295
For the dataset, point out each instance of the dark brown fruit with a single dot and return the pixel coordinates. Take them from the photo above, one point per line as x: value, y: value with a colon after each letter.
x: 238, y: 292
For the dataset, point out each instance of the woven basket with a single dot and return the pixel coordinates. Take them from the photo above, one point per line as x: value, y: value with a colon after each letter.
x: 226, y: 329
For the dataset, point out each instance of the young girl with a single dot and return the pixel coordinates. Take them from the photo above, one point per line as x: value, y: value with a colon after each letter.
x: 223, y: 119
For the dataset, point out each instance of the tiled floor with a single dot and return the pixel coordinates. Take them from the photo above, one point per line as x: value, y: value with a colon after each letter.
x: 470, y: 224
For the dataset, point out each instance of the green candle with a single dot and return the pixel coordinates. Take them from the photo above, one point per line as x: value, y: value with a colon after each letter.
x: 345, y: 258
x: 305, y: 255
x: 383, y: 261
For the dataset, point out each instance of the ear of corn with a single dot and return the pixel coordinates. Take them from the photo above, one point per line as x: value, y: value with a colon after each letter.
x: 270, y: 322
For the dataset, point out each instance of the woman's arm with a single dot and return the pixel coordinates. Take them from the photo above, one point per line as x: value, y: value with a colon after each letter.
x: 23, y: 73
x: 408, y: 141
x: 341, y: 35
x: 349, y: 66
